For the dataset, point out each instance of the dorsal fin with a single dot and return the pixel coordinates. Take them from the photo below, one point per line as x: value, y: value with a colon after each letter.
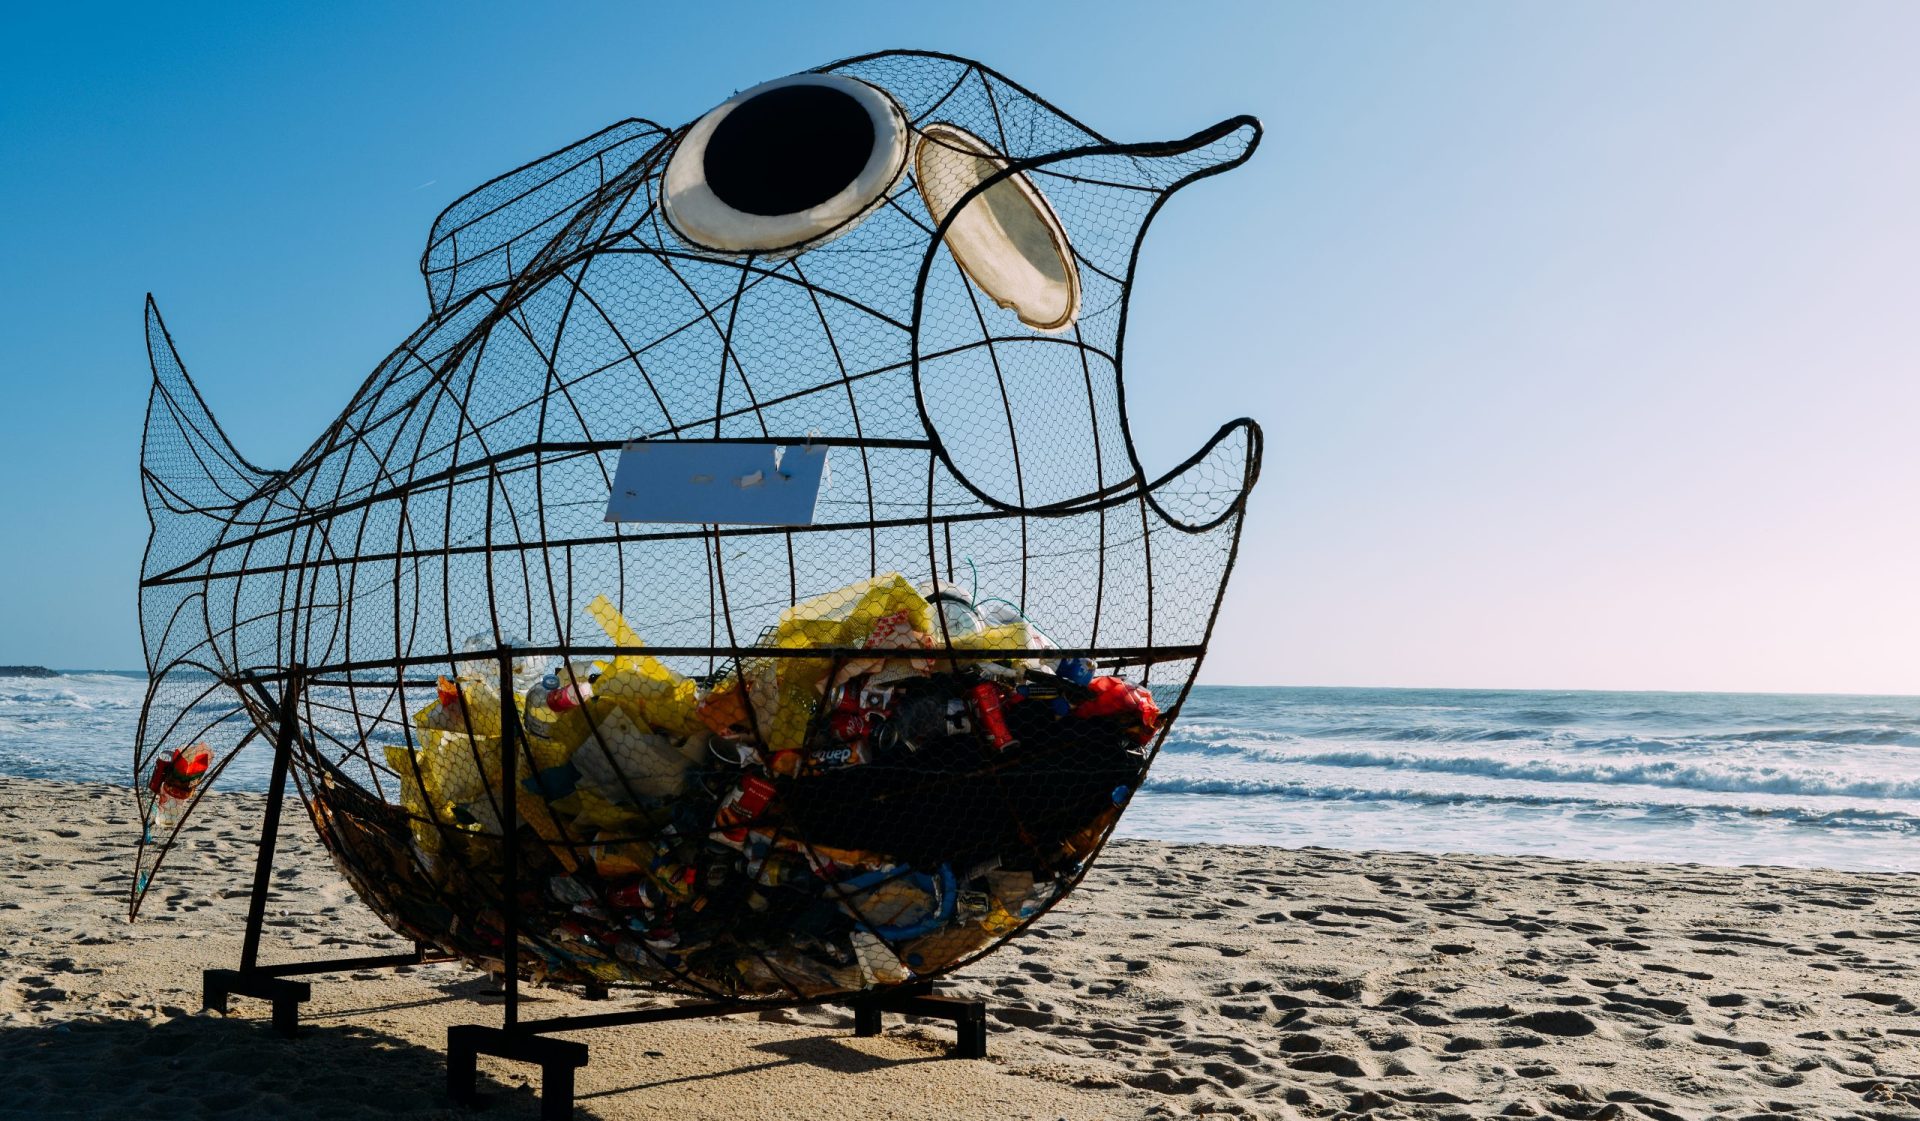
x: 499, y: 228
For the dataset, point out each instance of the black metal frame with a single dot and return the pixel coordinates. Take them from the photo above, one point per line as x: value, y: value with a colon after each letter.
x: 525, y: 1041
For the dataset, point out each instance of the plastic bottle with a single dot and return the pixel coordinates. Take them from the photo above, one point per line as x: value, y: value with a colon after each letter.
x: 555, y: 706
x: 536, y: 718
x: 175, y: 778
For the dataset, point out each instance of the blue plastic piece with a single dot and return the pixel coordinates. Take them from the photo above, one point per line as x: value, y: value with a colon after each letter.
x: 943, y: 892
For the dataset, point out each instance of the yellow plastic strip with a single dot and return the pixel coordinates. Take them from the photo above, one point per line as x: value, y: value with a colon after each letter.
x: 611, y: 621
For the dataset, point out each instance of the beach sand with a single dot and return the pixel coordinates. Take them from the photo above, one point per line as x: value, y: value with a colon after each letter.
x: 1180, y: 980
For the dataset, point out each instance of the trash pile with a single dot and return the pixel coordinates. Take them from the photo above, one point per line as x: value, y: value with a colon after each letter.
x: 802, y: 824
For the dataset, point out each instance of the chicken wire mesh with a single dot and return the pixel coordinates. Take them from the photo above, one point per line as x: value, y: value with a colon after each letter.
x: 729, y: 760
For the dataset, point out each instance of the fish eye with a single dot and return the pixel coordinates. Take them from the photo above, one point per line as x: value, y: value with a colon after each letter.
x: 785, y: 165
x: 1007, y: 238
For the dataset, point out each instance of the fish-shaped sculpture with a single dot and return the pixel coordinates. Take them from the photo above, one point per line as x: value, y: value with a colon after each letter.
x: 784, y: 758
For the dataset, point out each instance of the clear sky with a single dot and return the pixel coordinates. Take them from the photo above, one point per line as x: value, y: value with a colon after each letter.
x: 1585, y: 336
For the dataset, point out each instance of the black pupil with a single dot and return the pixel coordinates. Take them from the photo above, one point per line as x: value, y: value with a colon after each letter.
x: 788, y: 149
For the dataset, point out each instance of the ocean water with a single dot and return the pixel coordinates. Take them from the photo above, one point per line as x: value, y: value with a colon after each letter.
x: 1810, y: 781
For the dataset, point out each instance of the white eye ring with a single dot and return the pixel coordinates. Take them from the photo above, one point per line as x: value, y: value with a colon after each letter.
x: 1008, y: 240
x: 701, y: 216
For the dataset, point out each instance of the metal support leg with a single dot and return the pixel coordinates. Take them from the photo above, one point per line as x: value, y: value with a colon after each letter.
x: 969, y: 1016
x: 270, y: 820
x: 558, y: 1059
x: 971, y: 1032
x: 216, y: 985
x: 556, y: 1091
x: 463, y: 1069
x: 509, y: 841
x: 268, y: 982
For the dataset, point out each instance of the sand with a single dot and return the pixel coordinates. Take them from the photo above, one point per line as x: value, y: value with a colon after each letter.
x: 1181, y: 980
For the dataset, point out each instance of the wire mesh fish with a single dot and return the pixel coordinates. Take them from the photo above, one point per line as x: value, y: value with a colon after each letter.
x: 850, y: 750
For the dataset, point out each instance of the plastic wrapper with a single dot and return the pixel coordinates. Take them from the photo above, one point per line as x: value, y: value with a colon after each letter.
x: 175, y: 779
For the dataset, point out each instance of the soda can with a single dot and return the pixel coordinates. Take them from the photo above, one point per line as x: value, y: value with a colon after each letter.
x: 993, y: 722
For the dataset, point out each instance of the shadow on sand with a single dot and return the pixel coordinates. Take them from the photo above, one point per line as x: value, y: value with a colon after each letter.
x: 826, y: 1052
x: 210, y: 1067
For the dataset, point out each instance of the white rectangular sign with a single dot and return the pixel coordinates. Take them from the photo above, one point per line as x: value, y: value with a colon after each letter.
x: 716, y: 482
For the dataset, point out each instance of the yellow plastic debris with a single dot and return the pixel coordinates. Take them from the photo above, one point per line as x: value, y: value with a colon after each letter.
x: 650, y: 692
x: 652, y: 695
x: 477, y: 711
x: 846, y: 617
x: 611, y: 621
x: 946, y: 946
x: 1017, y: 635
x: 784, y: 691
x: 532, y: 809
x: 616, y: 859
x: 590, y: 813
x: 454, y: 770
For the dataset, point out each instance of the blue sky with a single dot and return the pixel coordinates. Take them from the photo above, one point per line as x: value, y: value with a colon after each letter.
x: 1584, y: 336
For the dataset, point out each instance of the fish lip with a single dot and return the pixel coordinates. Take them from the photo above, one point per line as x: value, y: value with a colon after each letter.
x: 1211, y: 134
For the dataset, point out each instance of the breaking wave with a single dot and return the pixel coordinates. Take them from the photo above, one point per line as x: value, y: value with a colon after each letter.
x: 1721, y: 777
x: 1265, y: 788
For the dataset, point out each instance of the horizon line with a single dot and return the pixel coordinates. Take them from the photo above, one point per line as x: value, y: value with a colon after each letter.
x: 1364, y: 688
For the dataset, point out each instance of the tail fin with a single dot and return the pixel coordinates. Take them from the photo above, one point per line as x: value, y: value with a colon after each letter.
x: 197, y: 486
x: 197, y: 489
x: 187, y: 464
x: 194, y: 481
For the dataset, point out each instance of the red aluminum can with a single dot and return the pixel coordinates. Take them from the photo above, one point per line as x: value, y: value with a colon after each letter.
x: 743, y: 807
x: 849, y: 723
x: 629, y: 896
x: 986, y: 706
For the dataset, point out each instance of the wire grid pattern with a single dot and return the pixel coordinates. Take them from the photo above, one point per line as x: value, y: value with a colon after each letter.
x: 849, y: 754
